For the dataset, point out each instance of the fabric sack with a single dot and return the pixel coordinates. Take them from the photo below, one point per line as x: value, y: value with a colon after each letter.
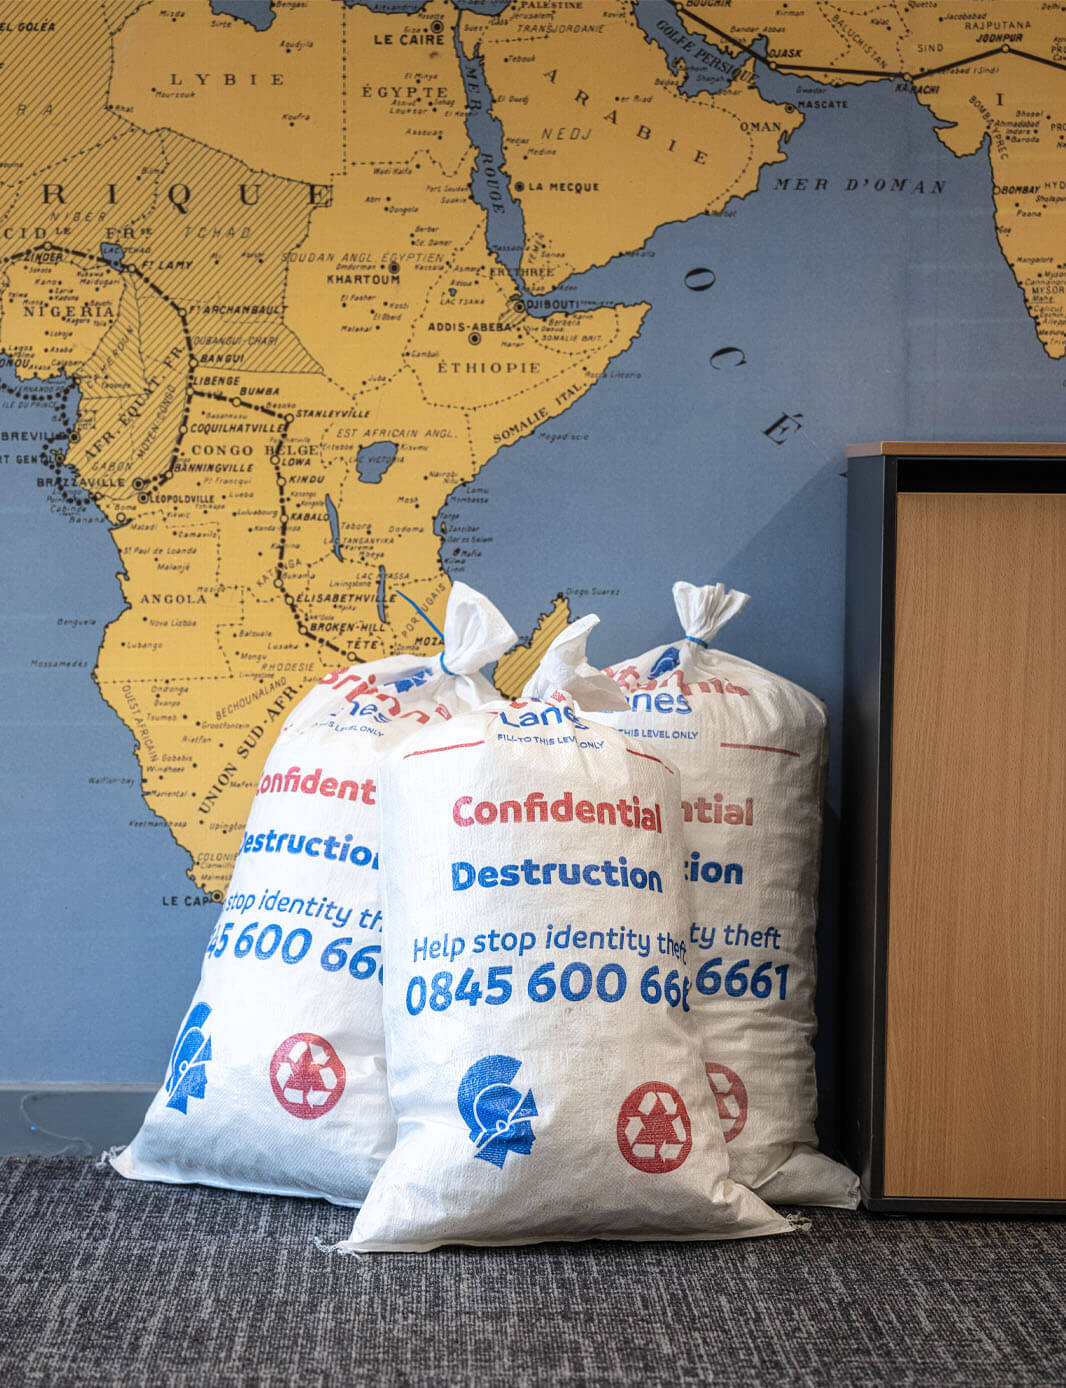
x: 752, y: 750
x: 277, y: 1078
x: 542, y: 1067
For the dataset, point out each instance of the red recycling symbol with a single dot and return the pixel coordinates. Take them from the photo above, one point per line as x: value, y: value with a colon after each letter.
x: 654, y: 1129
x: 307, y: 1075
x: 731, y: 1098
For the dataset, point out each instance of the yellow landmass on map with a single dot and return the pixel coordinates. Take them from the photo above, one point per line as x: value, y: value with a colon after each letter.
x: 231, y: 369
x: 270, y: 99
x: 515, y: 666
x: 117, y: 367
x: 208, y: 627
x: 384, y: 528
x: 362, y: 276
x: 54, y: 56
x: 54, y: 313
x: 94, y: 192
x: 210, y: 251
x: 996, y: 71
x: 600, y: 144
x: 135, y: 398
x: 405, y: 100
x: 862, y: 35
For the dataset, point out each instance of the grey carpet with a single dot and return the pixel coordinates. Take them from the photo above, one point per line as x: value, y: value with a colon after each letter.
x: 104, y: 1281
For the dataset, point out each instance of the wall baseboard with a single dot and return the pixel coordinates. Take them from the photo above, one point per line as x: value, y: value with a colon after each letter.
x: 70, y: 1119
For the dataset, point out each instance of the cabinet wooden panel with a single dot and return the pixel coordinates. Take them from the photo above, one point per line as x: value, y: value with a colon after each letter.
x: 976, y: 1014
x: 955, y: 827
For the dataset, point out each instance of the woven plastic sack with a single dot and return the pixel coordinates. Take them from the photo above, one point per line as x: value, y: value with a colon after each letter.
x: 752, y: 750
x: 276, y: 1082
x: 546, y: 1081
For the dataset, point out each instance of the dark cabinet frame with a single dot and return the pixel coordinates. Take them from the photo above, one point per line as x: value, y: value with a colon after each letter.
x: 877, y: 474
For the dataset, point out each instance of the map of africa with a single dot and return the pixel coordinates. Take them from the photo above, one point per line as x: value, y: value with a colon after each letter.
x: 305, y: 304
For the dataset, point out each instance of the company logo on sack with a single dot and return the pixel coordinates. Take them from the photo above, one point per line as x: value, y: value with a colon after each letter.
x: 629, y: 678
x: 550, y: 716
x: 731, y: 1097
x: 187, y: 1076
x: 306, y: 1075
x: 495, y: 1112
x: 654, y: 1129
x: 669, y: 660
x: 414, y: 679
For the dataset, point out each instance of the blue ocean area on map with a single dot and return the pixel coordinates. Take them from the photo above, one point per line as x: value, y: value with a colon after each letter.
x: 112, y: 253
x: 258, y: 13
x: 70, y: 768
x: 373, y: 460
x: 708, y: 68
x: 53, y: 403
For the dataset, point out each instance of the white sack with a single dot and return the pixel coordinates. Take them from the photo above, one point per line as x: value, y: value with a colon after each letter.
x: 545, y: 1076
x: 276, y: 1083
x: 752, y: 750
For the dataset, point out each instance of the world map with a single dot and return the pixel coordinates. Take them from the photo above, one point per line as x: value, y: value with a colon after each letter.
x: 307, y: 304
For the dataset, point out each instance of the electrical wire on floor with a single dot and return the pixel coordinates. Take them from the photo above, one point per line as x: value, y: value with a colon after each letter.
x: 76, y: 1146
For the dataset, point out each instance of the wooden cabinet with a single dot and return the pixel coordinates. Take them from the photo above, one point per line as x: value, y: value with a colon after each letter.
x: 954, y: 826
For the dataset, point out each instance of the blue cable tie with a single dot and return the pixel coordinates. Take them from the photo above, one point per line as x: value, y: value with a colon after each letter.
x: 705, y: 644
x: 429, y: 622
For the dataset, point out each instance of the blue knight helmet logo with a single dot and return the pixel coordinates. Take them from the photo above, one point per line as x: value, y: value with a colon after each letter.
x: 187, y: 1076
x: 669, y: 660
x: 412, y: 680
x: 495, y: 1112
